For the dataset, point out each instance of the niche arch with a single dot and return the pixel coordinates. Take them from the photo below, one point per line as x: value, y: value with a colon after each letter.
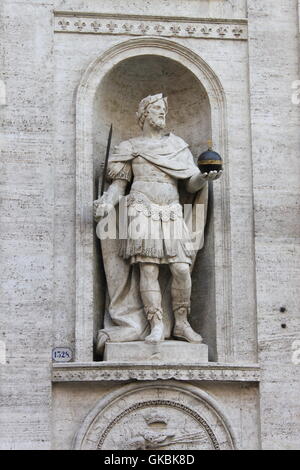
x: 88, y: 147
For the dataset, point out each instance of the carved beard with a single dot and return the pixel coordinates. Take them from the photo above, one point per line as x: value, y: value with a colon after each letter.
x: 157, y: 123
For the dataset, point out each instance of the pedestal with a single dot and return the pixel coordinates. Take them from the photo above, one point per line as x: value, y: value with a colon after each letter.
x: 177, y: 352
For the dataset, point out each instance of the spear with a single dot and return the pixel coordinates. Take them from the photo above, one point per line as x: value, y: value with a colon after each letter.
x: 102, y: 185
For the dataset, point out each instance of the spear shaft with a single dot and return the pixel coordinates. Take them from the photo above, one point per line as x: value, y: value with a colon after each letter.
x: 101, y: 188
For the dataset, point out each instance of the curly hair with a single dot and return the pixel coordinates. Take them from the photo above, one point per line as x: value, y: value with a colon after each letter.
x: 145, y: 103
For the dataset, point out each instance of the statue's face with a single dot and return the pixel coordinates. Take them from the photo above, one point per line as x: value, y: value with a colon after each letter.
x: 157, y: 114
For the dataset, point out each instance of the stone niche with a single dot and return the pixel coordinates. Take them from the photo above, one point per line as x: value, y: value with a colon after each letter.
x: 109, y: 92
x: 189, y: 117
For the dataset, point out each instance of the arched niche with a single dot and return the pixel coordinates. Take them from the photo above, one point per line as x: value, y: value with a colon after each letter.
x: 129, y: 81
x: 189, y: 116
x: 109, y: 93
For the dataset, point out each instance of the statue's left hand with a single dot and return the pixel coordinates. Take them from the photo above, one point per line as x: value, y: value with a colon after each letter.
x: 197, y: 181
x: 212, y: 175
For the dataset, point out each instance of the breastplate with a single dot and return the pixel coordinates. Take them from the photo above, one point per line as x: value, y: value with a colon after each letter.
x: 146, y: 171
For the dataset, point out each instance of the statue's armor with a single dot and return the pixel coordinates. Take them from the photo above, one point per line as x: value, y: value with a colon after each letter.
x: 150, y: 180
x: 153, y: 202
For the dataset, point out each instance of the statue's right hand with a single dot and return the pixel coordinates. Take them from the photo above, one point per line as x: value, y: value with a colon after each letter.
x: 100, y: 208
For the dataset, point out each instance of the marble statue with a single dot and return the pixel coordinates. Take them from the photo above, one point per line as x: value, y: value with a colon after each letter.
x: 148, y: 172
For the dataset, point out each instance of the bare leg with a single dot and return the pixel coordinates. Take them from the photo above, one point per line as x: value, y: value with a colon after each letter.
x: 181, y: 300
x: 151, y: 297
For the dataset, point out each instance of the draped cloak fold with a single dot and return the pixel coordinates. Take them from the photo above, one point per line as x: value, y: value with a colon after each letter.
x: 124, y: 318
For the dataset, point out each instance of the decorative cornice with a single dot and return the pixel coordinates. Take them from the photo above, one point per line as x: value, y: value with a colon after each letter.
x: 133, y: 25
x: 104, y: 371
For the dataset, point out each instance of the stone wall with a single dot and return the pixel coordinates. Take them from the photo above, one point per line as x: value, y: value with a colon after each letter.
x: 274, y: 65
x: 27, y: 232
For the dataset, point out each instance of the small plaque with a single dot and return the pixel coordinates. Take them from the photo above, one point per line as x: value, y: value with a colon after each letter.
x: 62, y: 354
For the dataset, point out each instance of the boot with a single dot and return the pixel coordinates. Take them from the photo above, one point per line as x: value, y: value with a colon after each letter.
x: 154, y: 316
x: 182, y: 328
x: 102, y: 338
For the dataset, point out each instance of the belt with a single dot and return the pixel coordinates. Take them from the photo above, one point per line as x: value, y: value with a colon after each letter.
x: 151, y: 180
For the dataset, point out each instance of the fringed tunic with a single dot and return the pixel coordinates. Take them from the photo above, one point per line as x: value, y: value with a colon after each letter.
x: 156, y: 231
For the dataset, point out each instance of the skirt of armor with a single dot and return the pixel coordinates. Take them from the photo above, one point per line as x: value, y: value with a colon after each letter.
x: 155, y: 233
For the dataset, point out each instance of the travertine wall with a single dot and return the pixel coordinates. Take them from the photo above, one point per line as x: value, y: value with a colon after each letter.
x: 27, y: 232
x: 274, y: 65
x: 37, y: 232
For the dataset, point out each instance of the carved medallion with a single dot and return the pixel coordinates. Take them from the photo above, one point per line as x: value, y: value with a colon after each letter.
x: 155, y: 417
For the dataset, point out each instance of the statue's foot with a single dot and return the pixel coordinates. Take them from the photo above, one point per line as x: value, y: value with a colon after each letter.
x: 156, y: 335
x: 157, y: 332
x: 182, y: 329
x: 155, y: 316
x: 187, y: 334
x: 102, y: 338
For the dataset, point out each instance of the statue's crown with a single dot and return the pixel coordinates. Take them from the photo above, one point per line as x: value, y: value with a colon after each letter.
x: 145, y: 102
x: 156, y: 417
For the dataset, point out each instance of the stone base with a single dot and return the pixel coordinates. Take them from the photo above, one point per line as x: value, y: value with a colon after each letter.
x: 177, y: 352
